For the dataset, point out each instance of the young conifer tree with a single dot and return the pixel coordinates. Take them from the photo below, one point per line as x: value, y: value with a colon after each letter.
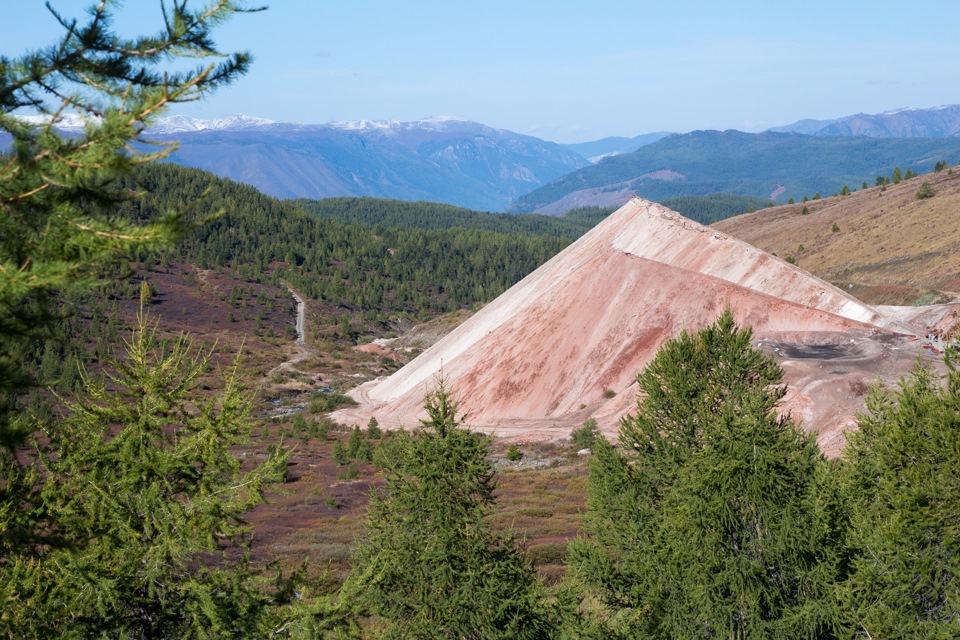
x: 100, y: 533
x: 904, y: 494
x: 56, y: 224
x: 142, y: 500
x: 702, y: 523
x: 57, y: 230
x: 430, y: 566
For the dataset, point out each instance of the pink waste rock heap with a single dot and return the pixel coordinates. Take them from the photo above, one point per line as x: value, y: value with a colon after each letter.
x: 567, y: 341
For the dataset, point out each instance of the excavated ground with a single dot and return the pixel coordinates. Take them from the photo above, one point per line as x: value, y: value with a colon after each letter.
x: 566, y: 342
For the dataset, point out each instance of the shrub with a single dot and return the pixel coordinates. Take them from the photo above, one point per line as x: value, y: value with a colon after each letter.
x: 327, y: 402
x: 299, y: 424
x: 513, y: 453
x: 584, y: 436
x: 373, y: 429
x: 365, y: 451
x: 349, y: 472
x: 353, y: 442
x: 925, y: 191
x: 319, y: 429
x: 547, y: 553
x: 340, y: 453
x: 834, y: 228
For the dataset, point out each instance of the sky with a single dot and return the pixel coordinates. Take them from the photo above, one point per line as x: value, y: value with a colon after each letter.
x: 561, y: 70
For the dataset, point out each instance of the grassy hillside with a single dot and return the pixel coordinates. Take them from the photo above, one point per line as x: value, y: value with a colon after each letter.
x: 748, y: 164
x: 882, y: 244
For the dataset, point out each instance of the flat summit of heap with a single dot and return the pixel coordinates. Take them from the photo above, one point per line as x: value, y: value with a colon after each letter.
x: 567, y: 341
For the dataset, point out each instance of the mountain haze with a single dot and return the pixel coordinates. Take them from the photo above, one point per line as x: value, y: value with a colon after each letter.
x: 438, y: 159
x: 597, y: 150
x: 909, y: 122
x: 774, y: 166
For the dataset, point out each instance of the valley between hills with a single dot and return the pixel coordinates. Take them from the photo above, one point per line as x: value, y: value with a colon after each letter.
x: 320, y: 512
x: 264, y: 379
x: 343, y: 311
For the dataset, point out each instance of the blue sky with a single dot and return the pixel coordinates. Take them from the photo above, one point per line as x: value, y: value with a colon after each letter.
x: 568, y: 71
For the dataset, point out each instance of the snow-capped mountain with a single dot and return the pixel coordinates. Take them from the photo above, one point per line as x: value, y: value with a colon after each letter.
x: 172, y: 124
x: 442, y: 159
x: 66, y: 122
x: 181, y: 124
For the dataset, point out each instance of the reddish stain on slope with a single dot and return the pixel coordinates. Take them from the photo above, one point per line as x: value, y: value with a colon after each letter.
x: 548, y: 352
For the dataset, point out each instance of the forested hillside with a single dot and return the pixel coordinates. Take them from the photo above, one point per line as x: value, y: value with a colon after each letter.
x: 704, y: 162
x: 381, y: 212
x: 714, y: 207
x: 416, y: 272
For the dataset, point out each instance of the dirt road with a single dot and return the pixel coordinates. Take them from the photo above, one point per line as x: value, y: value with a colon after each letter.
x: 302, y: 352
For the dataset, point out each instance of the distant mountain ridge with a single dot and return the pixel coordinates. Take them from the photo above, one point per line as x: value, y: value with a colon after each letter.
x: 774, y: 166
x: 907, y: 122
x: 439, y: 159
x: 597, y: 150
x: 468, y: 164
x: 446, y: 160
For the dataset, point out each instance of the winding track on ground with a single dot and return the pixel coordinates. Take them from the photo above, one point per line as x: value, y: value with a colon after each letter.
x: 302, y: 352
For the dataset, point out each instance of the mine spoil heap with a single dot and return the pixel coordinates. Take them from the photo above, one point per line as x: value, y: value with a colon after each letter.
x: 567, y: 342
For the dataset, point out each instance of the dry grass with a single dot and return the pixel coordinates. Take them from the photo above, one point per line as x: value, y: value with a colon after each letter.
x: 542, y: 506
x: 890, y: 247
x: 315, y: 516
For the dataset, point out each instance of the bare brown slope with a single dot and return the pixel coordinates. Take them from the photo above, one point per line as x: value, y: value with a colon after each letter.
x: 890, y: 247
x: 552, y: 349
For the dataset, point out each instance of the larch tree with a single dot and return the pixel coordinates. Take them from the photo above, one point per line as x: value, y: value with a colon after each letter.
x: 57, y: 228
x: 903, y: 487
x: 115, y: 525
x: 430, y: 566
x: 702, y: 522
x: 143, y: 502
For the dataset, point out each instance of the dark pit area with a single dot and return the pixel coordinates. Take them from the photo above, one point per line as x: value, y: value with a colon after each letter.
x: 817, y: 351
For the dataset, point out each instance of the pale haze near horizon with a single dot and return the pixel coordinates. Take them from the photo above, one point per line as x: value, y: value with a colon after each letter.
x: 565, y: 71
